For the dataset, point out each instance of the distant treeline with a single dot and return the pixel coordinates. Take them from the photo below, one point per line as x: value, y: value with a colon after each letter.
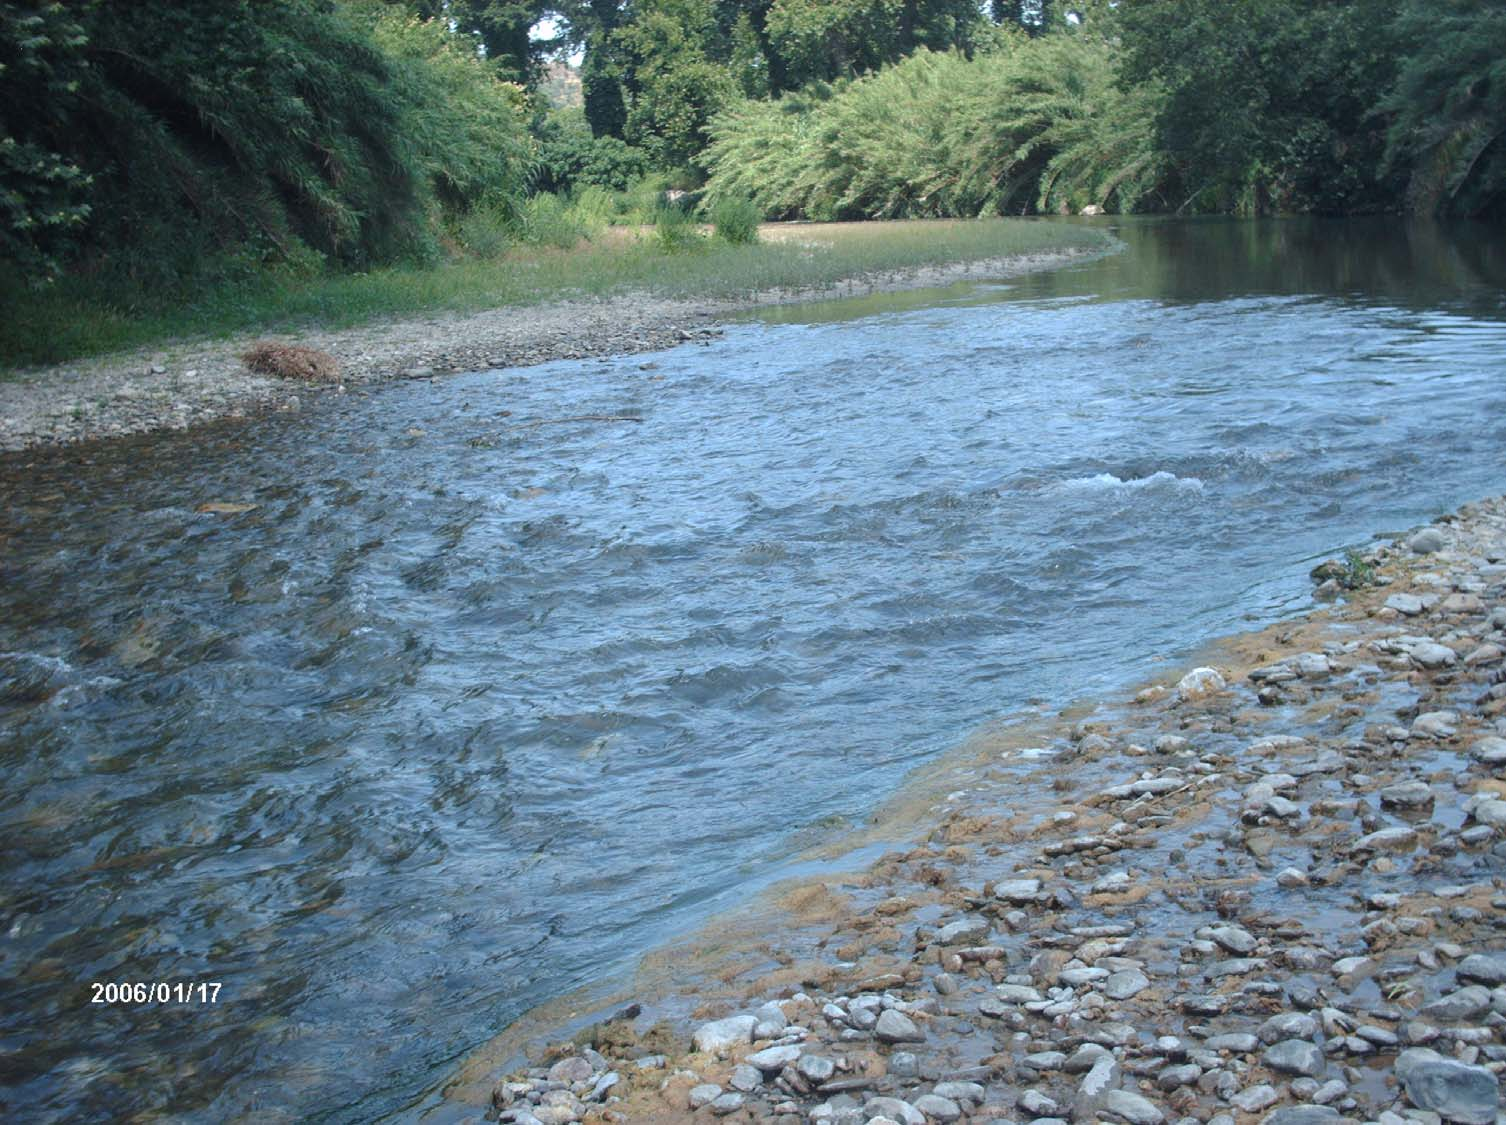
x: 165, y: 143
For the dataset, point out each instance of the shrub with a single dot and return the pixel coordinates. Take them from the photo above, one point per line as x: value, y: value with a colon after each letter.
x: 736, y: 220
x: 675, y: 230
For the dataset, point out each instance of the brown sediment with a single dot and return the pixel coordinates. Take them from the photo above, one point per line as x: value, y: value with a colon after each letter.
x: 1254, y: 811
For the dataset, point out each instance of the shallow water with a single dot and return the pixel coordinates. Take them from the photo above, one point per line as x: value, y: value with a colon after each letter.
x: 467, y: 711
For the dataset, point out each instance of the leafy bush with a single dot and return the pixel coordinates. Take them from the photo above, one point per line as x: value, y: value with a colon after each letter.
x: 1036, y: 124
x: 675, y: 230
x: 571, y: 159
x: 736, y: 220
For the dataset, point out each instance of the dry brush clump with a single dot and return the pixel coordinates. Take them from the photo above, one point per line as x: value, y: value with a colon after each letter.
x: 291, y: 361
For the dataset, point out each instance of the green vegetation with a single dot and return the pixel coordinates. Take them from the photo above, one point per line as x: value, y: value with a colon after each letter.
x: 158, y: 161
x: 71, y: 320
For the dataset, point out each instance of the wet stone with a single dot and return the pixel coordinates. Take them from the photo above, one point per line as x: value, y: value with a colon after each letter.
x: 938, y: 1108
x: 1125, y: 984
x: 1288, y: 1025
x: 1407, y: 795
x: 1453, y: 1089
x: 1302, y: 1115
x: 895, y: 1027
x: 1487, y: 968
x: 1296, y: 1056
x: 1255, y: 1099
x: 745, y: 1078
x: 815, y: 1068
x: 1132, y: 1107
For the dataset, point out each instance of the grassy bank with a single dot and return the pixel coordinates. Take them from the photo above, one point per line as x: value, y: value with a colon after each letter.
x: 74, y: 320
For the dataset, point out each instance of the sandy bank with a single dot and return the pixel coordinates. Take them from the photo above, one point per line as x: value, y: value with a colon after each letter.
x: 1271, y: 888
x: 187, y: 384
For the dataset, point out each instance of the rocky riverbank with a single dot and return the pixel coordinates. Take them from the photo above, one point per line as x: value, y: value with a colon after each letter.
x: 195, y: 383
x: 1269, y: 889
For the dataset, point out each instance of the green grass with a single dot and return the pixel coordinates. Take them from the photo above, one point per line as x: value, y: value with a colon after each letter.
x: 74, y: 320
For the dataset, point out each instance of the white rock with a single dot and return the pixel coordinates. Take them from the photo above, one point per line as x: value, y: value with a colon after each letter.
x: 1199, y: 684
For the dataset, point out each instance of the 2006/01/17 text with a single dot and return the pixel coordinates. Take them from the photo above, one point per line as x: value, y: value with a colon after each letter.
x: 158, y: 992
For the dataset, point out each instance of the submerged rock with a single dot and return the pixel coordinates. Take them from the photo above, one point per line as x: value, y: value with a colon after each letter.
x: 1448, y: 1087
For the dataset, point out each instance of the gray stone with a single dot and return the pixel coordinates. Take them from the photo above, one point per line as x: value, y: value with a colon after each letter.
x: 1017, y: 994
x: 1236, y: 939
x: 963, y: 931
x: 1302, y: 1115
x: 965, y: 1092
x: 816, y: 1068
x: 895, y: 1027
x: 1407, y: 795
x: 1126, y: 983
x: 1199, y: 684
x: 1255, y: 1099
x: 1288, y: 1025
x: 1037, y: 1103
x: 721, y: 1035
x: 571, y: 1070
x: 1085, y: 1058
x: 1450, y: 1088
x: 901, y: 1111
x: 1467, y: 1003
x: 1409, y: 605
x: 1132, y: 1107
x: 1399, y: 838
x: 704, y: 1095
x: 1017, y: 890
x: 1102, y: 1078
x: 771, y: 1060
x: 1490, y: 750
x: 1430, y: 654
x: 1436, y: 724
x: 903, y: 1064
x: 1239, y: 1042
x: 1172, y: 1077
x: 729, y: 1102
x: 938, y: 1108
x: 1296, y: 1056
x: 1428, y: 541
x: 745, y: 1078
x: 1488, y: 968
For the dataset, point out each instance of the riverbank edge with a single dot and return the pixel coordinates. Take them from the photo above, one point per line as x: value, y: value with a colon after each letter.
x: 190, y: 384
x: 975, y: 899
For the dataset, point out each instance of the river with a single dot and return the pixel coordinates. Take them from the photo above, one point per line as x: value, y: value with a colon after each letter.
x: 459, y: 705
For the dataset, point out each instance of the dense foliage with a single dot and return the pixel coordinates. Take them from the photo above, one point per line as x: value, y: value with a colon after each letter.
x: 1032, y: 124
x: 1242, y: 106
x: 161, y: 144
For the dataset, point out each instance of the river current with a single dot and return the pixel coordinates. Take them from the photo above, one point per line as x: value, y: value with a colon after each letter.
x: 461, y: 705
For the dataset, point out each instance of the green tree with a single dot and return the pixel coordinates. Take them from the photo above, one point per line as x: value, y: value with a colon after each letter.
x: 1449, y: 106
x: 502, y: 29
x: 676, y: 86
x: 43, y: 193
x: 292, y: 130
x: 1268, y: 101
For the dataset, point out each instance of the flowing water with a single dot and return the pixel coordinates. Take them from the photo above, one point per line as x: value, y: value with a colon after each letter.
x: 467, y: 711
